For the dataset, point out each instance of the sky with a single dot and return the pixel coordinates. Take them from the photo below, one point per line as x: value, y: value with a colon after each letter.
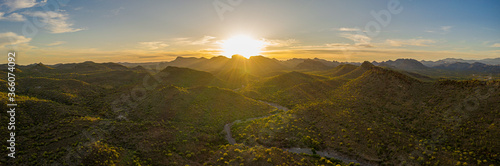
x: 65, y: 31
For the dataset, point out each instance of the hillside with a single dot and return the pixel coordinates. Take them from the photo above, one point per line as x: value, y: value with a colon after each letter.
x: 378, y: 117
x: 77, y: 120
x: 69, y: 91
x: 109, y: 114
x: 360, y: 70
x: 313, y: 65
x: 339, y: 70
x: 87, y: 67
x: 39, y: 68
x: 266, y: 88
x: 185, y: 77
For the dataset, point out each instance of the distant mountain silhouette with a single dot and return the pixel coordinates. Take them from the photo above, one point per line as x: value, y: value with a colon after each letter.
x: 314, y: 65
x: 40, y: 68
x: 139, y: 68
x: 404, y: 64
x: 467, y: 67
x: 489, y: 61
x: 87, y: 66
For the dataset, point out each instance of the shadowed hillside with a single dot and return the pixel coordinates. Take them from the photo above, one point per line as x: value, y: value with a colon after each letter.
x: 388, y: 118
x: 185, y: 77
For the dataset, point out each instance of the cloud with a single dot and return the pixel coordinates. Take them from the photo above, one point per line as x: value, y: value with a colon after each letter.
x: 154, y: 45
x: 410, y: 42
x: 56, y: 43
x: 495, y: 45
x: 55, y: 22
x: 115, y: 12
x: 348, y: 29
x: 203, y: 40
x: 337, y: 45
x: 148, y: 56
x: 10, y: 38
x: 359, y: 40
x: 21, y: 4
x: 12, y: 17
x: 446, y: 28
x: 189, y: 41
x: 281, y: 43
x: 334, y: 46
x: 441, y: 30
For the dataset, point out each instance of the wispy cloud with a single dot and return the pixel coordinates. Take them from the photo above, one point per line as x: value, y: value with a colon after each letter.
x: 348, y: 29
x: 189, y: 41
x: 56, y: 43
x: 12, y: 17
x: 446, y: 28
x: 115, y: 12
x: 21, y: 4
x: 409, y: 42
x: 441, y: 30
x: 280, y: 43
x: 359, y: 40
x: 326, y: 46
x: 337, y: 45
x: 11, y: 38
x: 55, y: 22
x: 154, y: 45
x: 495, y: 45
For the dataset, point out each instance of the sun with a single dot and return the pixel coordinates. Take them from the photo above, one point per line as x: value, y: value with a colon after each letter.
x: 242, y: 45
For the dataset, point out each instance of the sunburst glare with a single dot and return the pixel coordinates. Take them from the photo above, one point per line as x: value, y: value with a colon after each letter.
x: 243, y: 45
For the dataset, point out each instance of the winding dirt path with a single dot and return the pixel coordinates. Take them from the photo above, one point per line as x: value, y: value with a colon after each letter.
x: 329, y: 154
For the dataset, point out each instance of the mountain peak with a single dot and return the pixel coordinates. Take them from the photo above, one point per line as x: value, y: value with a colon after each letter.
x: 404, y: 64
x: 237, y: 56
x: 367, y: 64
x: 310, y: 64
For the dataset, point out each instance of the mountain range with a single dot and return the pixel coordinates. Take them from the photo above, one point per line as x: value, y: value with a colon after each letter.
x: 255, y: 111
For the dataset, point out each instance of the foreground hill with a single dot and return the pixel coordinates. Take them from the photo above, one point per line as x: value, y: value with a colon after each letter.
x: 79, y: 121
x: 384, y: 117
x: 190, y: 123
x: 68, y: 91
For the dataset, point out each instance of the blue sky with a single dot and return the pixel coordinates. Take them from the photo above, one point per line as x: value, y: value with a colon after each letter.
x: 160, y: 30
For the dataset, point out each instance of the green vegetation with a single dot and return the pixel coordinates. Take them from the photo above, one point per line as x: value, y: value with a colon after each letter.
x: 108, y: 114
x: 386, y: 117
